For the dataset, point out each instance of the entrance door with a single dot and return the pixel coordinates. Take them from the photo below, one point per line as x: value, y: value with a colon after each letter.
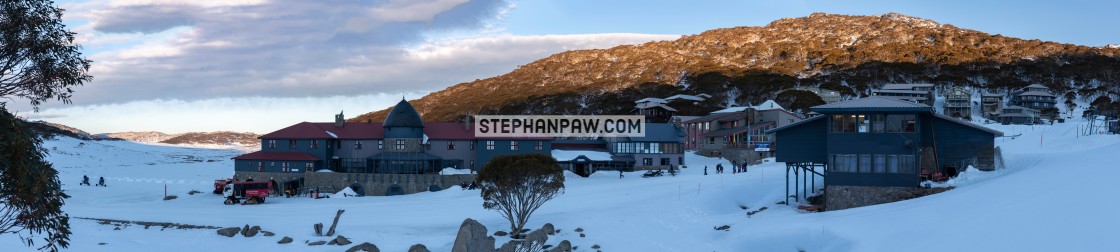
x: 581, y: 169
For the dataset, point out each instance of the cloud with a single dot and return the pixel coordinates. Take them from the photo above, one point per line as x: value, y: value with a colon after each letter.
x: 244, y: 114
x: 163, y: 50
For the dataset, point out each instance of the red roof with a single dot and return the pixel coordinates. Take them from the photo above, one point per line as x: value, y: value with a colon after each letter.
x: 350, y: 130
x: 290, y: 156
x: 448, y: 131
x: 365, y: 130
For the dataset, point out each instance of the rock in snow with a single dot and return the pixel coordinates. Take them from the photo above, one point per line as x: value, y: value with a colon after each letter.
x: 229, y: 232
x: 472, y: 238
x: 285, y: 240
x: 418, y: 248
x: 365, y: 246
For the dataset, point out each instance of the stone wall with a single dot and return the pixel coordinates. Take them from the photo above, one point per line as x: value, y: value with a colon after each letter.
x: 844, y: 197
x: 373, y: 184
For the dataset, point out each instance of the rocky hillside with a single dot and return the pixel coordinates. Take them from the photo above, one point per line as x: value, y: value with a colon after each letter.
x: 217, y: 138
x: 192, y: 138
x: 49, y: 130
x: 747, y: 64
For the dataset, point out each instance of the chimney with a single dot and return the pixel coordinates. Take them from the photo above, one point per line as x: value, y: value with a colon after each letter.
x: 339, y: 119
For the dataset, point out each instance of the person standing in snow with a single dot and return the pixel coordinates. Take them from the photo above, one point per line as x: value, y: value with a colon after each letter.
x: 101, y: 181
x: 619, y: 173
x: 85, y: 180
x: 705, y: 170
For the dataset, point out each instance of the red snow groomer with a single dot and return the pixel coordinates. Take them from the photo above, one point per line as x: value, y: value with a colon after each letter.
x: 220, y: 185
x: 253, y: 192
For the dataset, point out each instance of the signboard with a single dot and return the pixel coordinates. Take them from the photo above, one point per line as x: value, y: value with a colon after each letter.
x: 762, y: 147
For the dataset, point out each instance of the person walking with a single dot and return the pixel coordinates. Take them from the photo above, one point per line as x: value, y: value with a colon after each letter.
x: 619, y: 173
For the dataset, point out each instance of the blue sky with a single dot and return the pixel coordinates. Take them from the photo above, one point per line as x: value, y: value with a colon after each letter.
x: 260, y: 65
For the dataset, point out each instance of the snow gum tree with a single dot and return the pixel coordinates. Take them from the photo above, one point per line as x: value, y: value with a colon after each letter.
x: 517, y: 185
x: 38, y: 62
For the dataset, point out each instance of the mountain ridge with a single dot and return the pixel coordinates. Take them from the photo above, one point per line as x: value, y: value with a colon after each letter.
x: 828, y: 50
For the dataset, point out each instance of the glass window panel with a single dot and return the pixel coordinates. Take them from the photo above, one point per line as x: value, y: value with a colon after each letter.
x: 865, y: 163
x: 892, y: 163
x: 880, y: 163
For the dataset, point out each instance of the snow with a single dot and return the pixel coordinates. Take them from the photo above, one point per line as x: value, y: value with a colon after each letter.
x: 767, y: 105
x: 345, y: 192
x: 568, y: 155
x: 332, y: 134
x: 453, y: 171
x: 1054, y: 195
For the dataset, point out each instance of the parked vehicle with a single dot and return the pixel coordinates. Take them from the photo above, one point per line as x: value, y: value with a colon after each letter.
x: 253, y: 192
x: 220, y: 185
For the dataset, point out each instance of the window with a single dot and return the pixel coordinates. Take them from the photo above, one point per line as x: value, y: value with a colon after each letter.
x: 450, y: 145
x: 314, y: 144
x: 513, y: 145
x: 864, y: 123
x: 665, y: 161
x: 844, y: 163
x: 906, y: 164
x: 309, y: 166
x: 680, y: 161
x: 380, y: 144
x: 880, y: 163
x: 490, y: 145
x: 892, y: 163
x: 540, y: 145
x: 284, y: 166
x: 400, y: 144
x: 292, y: 144
x: 877, y: 123
x: 358, y: 145
x: 901, y: 123
x: 472, y: 145
x: 711, y: 140
x: 272, y: 144
x: 647, y: 161
x: 260, y: 165
x: 865, y: 163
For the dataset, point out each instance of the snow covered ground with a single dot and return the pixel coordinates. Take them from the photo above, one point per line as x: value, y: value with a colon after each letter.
x: 1053, y: 196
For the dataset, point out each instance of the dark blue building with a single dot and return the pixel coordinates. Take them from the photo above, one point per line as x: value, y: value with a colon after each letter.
x: 883, y: 142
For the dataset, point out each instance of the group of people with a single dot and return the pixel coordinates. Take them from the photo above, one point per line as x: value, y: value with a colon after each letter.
x: 734, y: 168
x: 470, y: 186
x: 85, y: 181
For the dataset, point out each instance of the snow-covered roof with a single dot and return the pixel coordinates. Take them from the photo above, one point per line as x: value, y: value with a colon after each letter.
x: 650, y: 99
x: 1037, y: 93
x: 905, y: 86
x: 767, y: 105
x: 1037, y: 86
x: 569, y: 155
x: 685, y: 97
x: 652, y: 105
x: 898, y: 91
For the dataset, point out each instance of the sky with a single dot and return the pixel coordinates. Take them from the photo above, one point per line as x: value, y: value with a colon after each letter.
x: 260, y: 65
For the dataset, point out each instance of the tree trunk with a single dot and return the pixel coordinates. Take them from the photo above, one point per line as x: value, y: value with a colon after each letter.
x: 339, y: 214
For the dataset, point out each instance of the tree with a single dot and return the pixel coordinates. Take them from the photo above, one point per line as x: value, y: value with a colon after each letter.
x: 31, y: 197
x: 38, y: 62
x: 798, y: 101
x: 517, y: 185
x: 38, y: 58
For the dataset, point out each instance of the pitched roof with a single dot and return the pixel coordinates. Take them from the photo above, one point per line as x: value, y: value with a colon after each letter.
x: 872, y: 102
x: 767, y: 105
x: 653, y: 105
x: 794, y: 124
x: 448, y: 131
x: 403, y: 115
x: 685, y: 97
x: 1036, y: 85
x: 905, y: 86
x: 650, y: 99
x: 661, y: 132
x: 309, y: 130
x: 288, y: 156
x: 969, y: 124
x: 1036, y: 93
x: 710, y: 117
x: 898, y: 91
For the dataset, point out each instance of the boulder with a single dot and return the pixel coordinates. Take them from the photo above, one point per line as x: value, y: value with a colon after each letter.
x: 245, y: 230
x: 229, y: 232
x: 341, y: 241
x: 317, y: 243
x: 537, y: 238
x: 365, y: 246
x: 596, y: 246
x: 564, y: 246
x: 548, y: 229
x: 582, y: 235
x: 472, y: 237
x: 252, y: 231
x: 500, y: 233
x: 285, y: 240
x: 418, y: 248
x: 266, y: 233
x: 510, y: 246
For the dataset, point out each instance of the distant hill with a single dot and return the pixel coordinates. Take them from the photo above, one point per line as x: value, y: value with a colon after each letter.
x: 48, y: 130
x: 216, y: 138
x: 746, y: 65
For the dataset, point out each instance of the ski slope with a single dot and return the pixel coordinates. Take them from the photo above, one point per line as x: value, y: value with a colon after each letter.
x: 1053, y: 196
